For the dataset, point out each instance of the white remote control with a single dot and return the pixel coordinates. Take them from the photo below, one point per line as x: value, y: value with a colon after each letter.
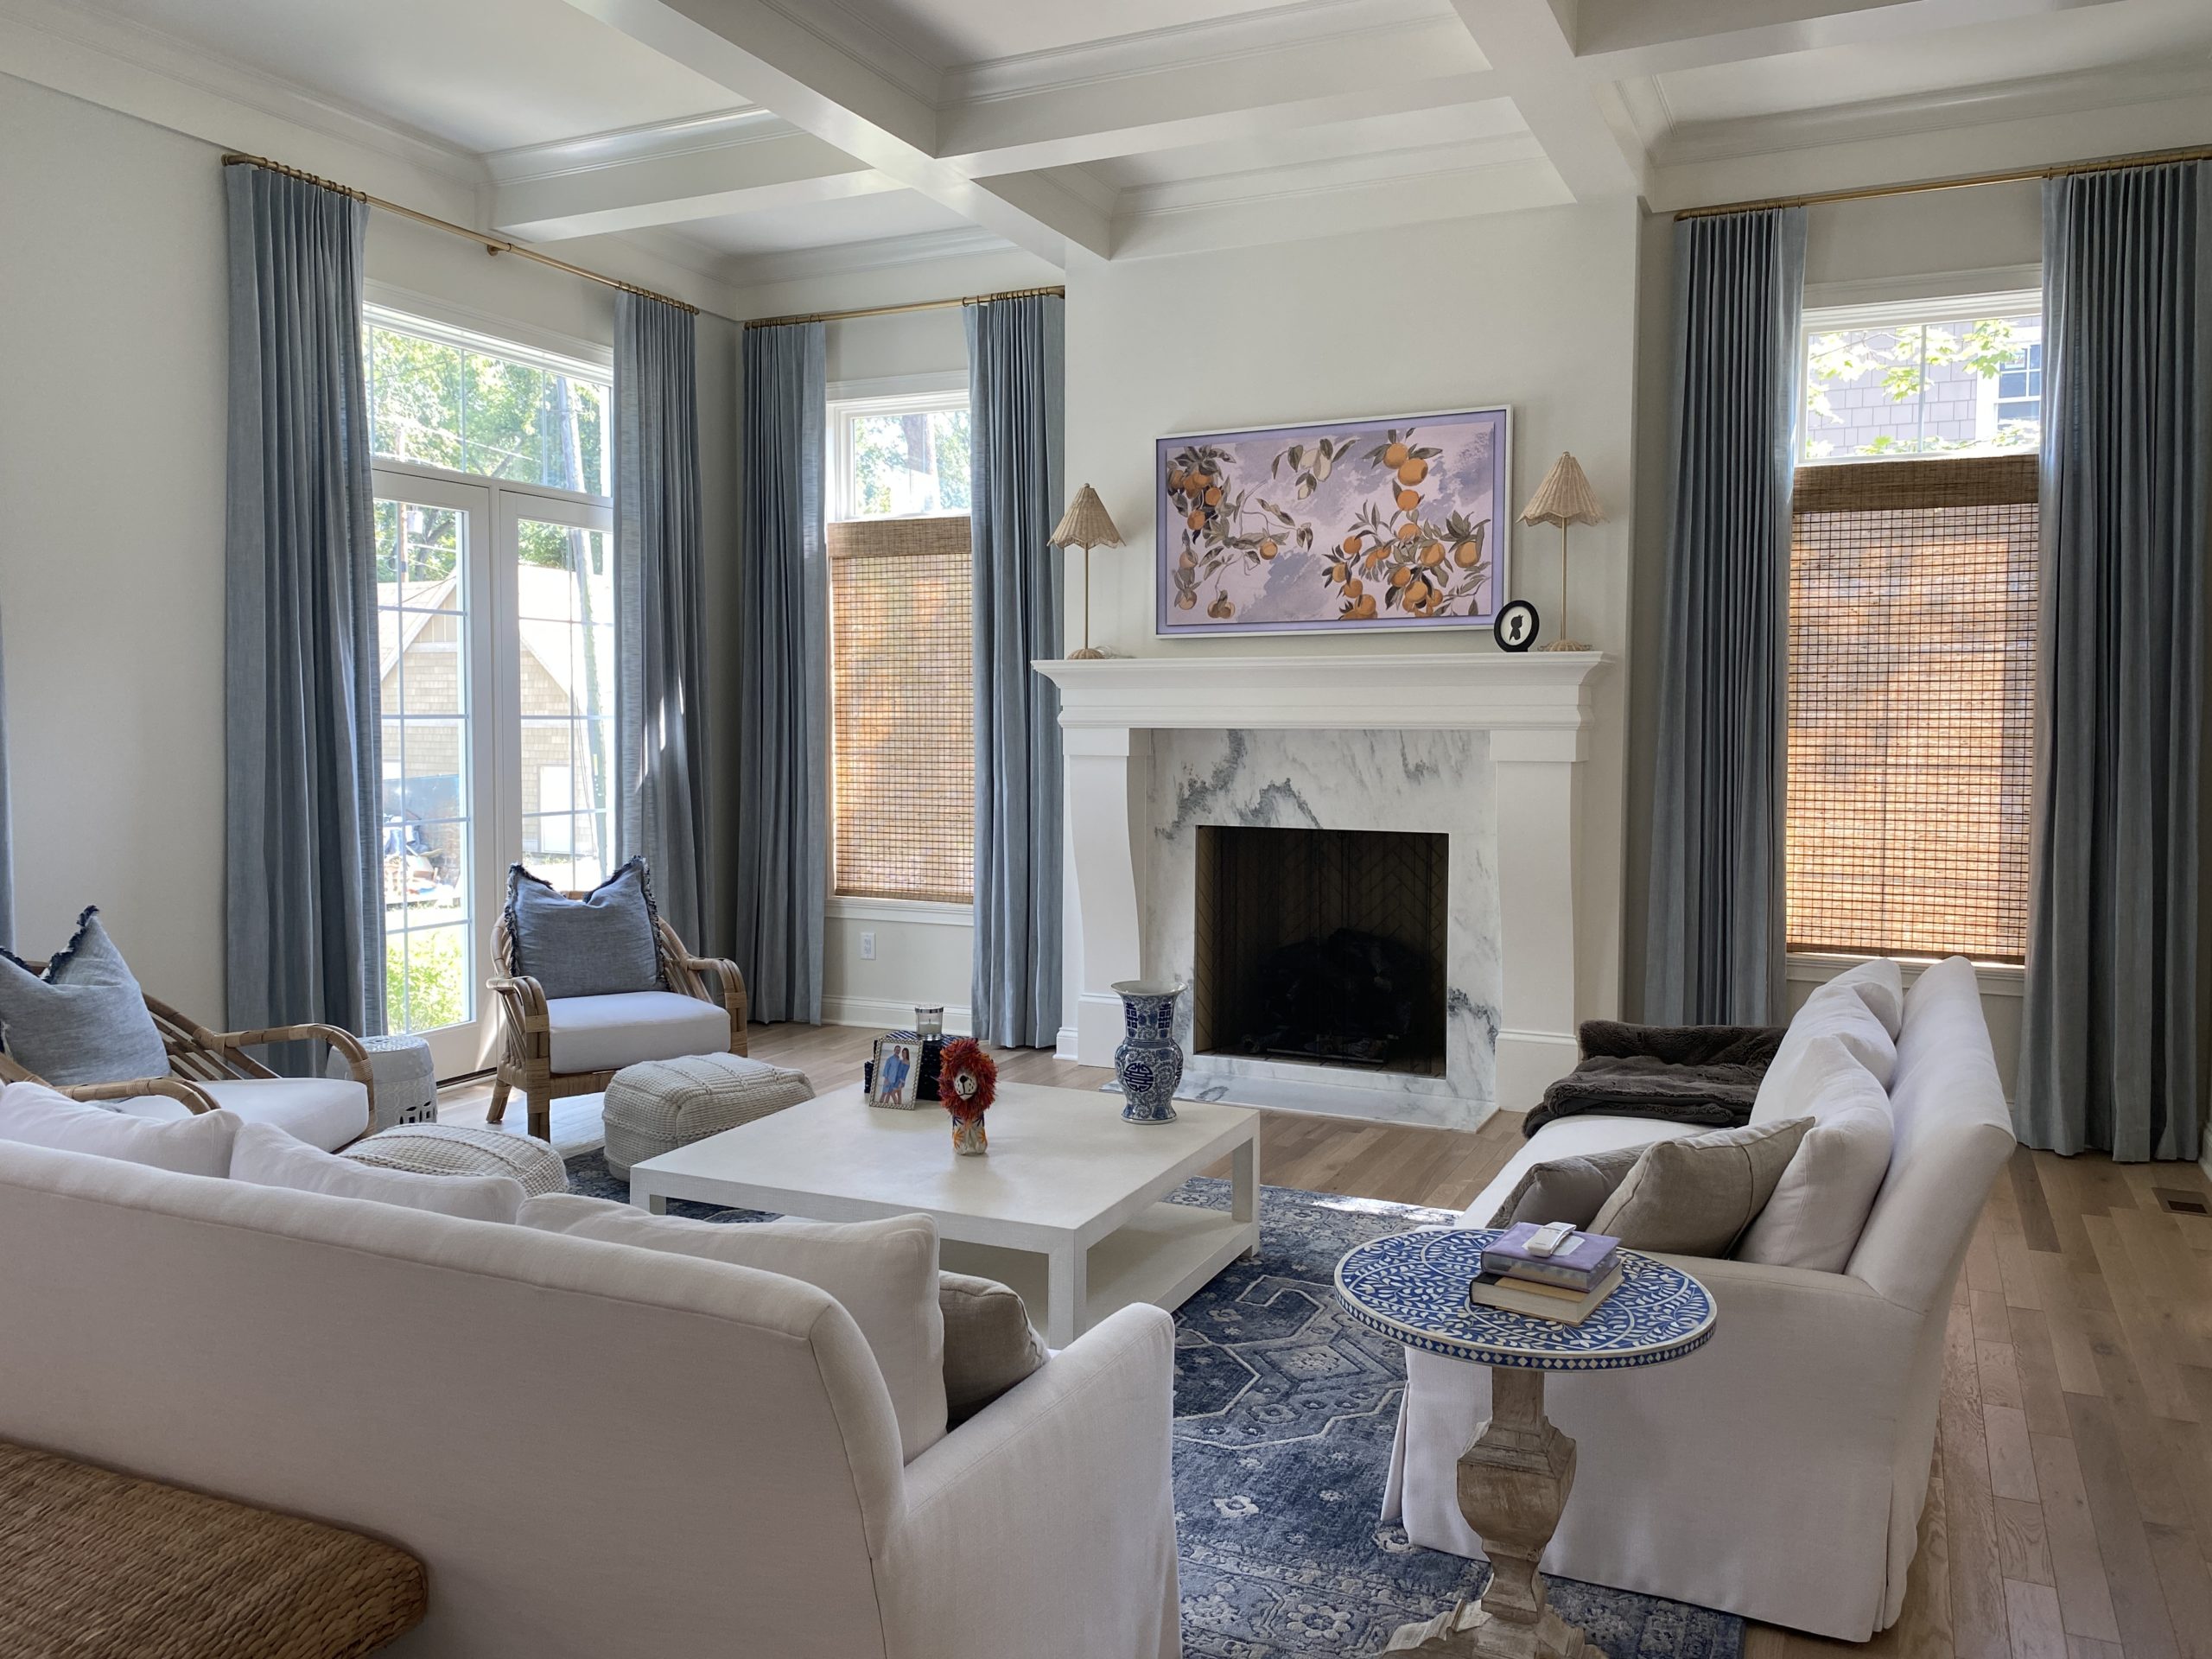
x: 1550, y: 1238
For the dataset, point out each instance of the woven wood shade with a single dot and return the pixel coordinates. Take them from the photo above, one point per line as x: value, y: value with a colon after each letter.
x: 1912, y: 618
x: 1564, y: 498
x: 902, y: 709
x: 1086, y: 523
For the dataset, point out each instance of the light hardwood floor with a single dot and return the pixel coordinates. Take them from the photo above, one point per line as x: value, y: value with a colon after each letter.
x: 2069, y: 1510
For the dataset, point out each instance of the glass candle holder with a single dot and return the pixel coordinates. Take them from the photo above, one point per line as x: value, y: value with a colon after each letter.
x: 928, y: 1022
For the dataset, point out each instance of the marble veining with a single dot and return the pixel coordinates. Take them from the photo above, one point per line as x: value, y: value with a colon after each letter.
x: 1438, y: 782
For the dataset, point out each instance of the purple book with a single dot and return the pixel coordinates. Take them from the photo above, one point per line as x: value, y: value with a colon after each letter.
x: 1579, y: 1263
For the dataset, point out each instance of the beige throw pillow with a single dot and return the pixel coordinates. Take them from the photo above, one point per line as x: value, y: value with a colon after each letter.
x: 1695, y: 1195
x: 1567, y: 1189
x: 266, y: 1156
x: 990, y: 1345
x: 883, y: 1272
x: 39, y: 1117
x: 1821, y: 1202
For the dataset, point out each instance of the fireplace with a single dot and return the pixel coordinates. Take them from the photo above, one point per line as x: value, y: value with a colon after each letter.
x: 1324, y: 946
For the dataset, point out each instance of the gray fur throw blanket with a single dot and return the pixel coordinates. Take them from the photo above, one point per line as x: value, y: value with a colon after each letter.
x: 1705, y: 1075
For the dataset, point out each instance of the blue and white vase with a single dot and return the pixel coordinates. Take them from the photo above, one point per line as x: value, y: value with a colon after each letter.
x: 1150, y: 1062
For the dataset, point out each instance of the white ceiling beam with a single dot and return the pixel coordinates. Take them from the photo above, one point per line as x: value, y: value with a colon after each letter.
x: 636, y: 192
x: 1580, y: 124
x: 1210, y: 84
x: 760, y: 54
x: 1615, y: 39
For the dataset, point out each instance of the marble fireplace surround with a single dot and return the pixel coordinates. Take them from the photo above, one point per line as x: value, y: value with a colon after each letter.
x: 1513, y: 923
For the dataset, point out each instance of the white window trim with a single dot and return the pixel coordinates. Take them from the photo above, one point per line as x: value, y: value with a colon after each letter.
x: 428, y: 318
x: 1818, y: 967
x: 909, y: 395
x: 918, y: 913
x: 1903, y: 313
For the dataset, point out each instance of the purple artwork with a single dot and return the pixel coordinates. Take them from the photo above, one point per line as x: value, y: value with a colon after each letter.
x: 1346, y: 526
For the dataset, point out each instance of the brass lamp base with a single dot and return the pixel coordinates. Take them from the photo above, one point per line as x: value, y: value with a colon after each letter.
x: 1567, y: 645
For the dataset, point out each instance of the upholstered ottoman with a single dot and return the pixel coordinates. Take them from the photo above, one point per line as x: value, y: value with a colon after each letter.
x: 659, y: 1105
x: 451, y: 1149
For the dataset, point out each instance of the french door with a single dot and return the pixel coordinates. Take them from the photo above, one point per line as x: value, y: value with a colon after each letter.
x: 495, y: 611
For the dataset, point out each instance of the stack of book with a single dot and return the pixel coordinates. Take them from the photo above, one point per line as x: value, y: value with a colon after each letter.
x: 1564, y: 1286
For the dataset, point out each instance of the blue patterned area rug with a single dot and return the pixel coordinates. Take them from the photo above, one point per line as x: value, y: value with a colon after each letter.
x: 1284, y: 1414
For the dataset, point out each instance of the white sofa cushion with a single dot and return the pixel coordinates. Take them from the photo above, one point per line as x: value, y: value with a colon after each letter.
x: 1820, y: 1205
x: 883, y: 1272
x: 268, y: 1156
x: 1836, y: 1010
x: 605, y: 1033
x: 1879, y: 983
x: 195, y: 1144
x: 325, y: 1112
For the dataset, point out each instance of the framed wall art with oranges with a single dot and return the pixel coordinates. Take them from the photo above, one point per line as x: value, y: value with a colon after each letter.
x: 1363, y: 525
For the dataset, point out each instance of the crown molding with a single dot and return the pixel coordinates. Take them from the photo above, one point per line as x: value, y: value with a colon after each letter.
x: 104, y: 44
x: 2072, y: 92
x: 592, y: 152
x: 1215, y: 40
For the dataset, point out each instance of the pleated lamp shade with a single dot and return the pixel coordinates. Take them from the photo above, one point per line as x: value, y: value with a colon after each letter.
x: 1564, y: 498
x: 1086, y: 523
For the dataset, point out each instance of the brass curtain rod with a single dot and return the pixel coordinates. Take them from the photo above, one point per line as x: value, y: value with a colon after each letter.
x: 489, y: 242
x: 2018, y: 175
x: 911, y: 305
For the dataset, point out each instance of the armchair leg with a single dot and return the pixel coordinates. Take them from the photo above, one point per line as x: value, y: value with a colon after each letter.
x: 541, y: 1117
x: 498, y: 1111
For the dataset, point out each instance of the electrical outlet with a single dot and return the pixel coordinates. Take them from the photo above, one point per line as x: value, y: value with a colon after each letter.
x: 867, y: 947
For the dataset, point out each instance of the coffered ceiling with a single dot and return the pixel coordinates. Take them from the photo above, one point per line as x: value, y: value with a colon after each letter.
x: 743, y: 130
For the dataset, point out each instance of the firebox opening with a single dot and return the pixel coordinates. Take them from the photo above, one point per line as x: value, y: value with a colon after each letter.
x: 1321, y: 946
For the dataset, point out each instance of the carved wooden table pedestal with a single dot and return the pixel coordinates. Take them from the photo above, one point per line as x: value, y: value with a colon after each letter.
x: 1515, y: 1478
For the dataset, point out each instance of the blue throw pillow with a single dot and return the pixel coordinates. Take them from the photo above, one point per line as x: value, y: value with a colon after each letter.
x: 84, y: 1020
x: 593, y: 946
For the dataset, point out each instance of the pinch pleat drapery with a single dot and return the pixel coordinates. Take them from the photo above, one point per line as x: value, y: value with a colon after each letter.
x: 2113, y: 1047
x: 7, y: 831
x: 1713, y: 948
x: 783, y: 826
x: 660, y: 739
x: 1017, y: 374
x: 303, y: 917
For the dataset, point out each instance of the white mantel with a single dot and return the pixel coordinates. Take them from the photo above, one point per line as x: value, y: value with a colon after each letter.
x: 1535, y: 709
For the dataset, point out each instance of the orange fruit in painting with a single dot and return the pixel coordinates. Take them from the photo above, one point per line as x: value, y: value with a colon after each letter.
x: 1375, y: 559
x: 1354, y: 588
x: 1213, y: 496
x: 1188, y: 559
x: 1407, y: 533
x: 1467, y: 554
x: 1175, y: 479
x: 1395, y: 455
x: 1185, y: 599
x: 1351, y: 543
x: 1266, y: 548
x: 1409, y: 499
x: 1338, y: 570
x: 1413, y: 471
x: 1198, y: 518
x: 1402, y: 576
x: 1221, y: 606
x: 1362, y: 610
x: 1432, y: 554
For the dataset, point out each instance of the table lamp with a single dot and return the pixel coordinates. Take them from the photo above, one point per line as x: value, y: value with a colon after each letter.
x: 1086, y: 524
x: 1563, y: 498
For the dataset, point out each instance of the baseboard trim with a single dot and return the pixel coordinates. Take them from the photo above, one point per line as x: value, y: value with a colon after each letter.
x: 884, y: 1015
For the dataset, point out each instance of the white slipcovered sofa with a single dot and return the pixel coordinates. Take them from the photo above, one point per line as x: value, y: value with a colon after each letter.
x: 597, y: 1449
x: 1779, y: 1472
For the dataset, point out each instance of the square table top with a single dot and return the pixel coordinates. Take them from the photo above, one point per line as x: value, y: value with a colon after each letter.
x: 1060, y: 1160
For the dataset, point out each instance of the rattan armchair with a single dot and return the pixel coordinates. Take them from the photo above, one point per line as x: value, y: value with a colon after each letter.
x: 526, y: 1053
x: 199, y: 1056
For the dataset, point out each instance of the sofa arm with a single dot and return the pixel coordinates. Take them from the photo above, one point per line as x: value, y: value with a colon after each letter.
x: 1047, y: 1520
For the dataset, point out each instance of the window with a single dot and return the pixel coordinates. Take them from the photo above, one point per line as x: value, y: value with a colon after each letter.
x: 1962, y: 378
x: 1912, y: 616
x: 901, y: 667
x: 495, y: 606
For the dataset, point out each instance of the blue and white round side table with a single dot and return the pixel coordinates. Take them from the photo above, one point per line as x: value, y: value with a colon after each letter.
x: 1514, y: 1480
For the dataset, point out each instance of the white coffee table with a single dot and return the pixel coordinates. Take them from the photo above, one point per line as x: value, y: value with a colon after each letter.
x: 1065, y: 1207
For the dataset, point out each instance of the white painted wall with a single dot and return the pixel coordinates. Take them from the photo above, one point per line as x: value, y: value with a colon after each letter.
x: 111, y: 495
x: 1534, y: 310
x: 924, y: 954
